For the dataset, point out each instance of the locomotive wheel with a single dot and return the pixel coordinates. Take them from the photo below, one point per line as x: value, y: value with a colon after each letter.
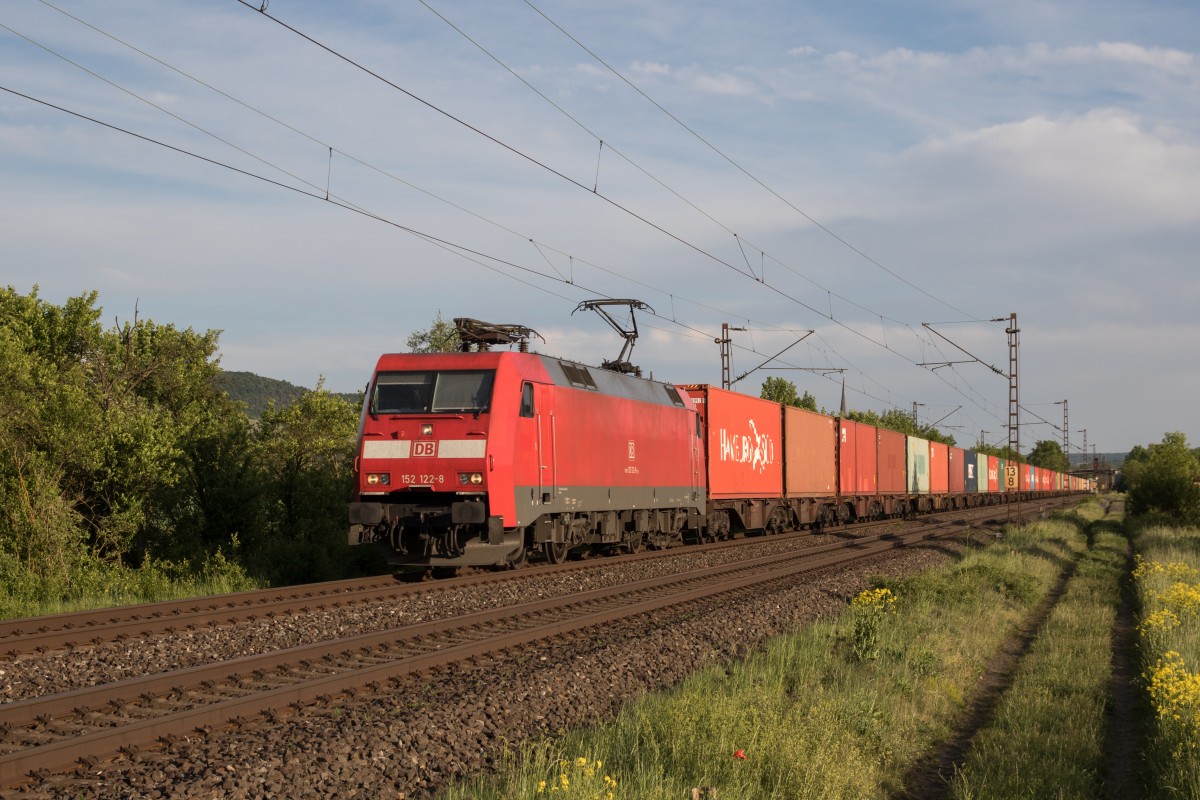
x: 517, y: 560
x: 444, y: 572
x: 556, y: 552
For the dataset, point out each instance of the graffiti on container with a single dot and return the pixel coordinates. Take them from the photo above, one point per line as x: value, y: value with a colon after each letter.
x: 755, y: 449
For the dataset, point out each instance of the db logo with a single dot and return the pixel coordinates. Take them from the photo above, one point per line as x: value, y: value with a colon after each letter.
x: 424, y: 449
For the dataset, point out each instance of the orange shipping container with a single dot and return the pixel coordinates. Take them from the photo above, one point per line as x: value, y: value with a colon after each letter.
x: 743, y: 439
x: 958, y: 469
x: 939, y: 468
x: 857, y: 452
x: 891, y: 462
x: 810, y: 466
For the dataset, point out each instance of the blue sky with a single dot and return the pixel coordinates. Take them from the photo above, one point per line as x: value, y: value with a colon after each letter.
x: 852, y: 169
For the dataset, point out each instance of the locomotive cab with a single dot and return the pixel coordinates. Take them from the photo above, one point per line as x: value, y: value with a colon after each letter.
x: 426, y: 461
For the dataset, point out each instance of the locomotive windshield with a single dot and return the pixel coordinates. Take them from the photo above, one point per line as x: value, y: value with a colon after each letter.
x: 432, y: 392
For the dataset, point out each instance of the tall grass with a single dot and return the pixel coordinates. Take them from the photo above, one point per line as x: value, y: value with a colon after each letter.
x: 812, y: 714
x: 1168, y: 587
x: 101, y: 584
x: 1047, y: 737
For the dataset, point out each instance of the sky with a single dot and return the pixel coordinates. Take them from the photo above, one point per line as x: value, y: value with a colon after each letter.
x: 318, y: 180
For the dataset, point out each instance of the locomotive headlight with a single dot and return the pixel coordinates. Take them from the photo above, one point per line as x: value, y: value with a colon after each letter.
x: 475, y: 478
x: 378, y: 479
x: 427, y: 429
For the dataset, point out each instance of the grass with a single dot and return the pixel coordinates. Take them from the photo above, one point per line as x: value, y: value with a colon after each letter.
x: 97, y: 584
x: 1168, y: 587
x: 1048, y: 734
x: 828, y: 712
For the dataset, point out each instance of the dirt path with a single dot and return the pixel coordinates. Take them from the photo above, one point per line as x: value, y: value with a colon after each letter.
x: 930, y: 777
x: 1125, y: 727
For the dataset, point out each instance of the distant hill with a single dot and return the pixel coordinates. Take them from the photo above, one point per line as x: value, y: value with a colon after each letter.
x: 256, y: 391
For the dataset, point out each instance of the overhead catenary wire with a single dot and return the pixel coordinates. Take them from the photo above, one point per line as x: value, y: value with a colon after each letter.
x: 463, y: 251
x: 327, y: 196
x: 496, y: 140
x: 738, y: 166
x: 323, y: 192
x: 541, y: 247
x: 510, y: 148
x: 741, y: 241
x: 574, y: 182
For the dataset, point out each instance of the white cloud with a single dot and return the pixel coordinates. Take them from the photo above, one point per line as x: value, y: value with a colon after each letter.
x: 1029, y: 58
x: 592, y: 70
x: 723, y: 84
x: 650, y: 68
x: 1104, y: 167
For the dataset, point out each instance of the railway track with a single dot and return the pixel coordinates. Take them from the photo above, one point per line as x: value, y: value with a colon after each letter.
x: 20, y: 637
x: 55, y: 731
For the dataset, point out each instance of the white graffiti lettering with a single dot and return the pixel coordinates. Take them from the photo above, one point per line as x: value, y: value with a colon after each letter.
x: 755, y: 449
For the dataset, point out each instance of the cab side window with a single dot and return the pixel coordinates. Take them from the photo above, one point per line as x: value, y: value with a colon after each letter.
x: 527, y: 400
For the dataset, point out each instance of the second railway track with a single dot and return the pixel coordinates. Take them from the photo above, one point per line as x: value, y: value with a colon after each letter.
x: 20, y: 637
x: 55, y: 731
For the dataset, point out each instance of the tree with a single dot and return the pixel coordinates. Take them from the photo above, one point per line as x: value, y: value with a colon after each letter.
x: 97, y: 420
x: 441, y: 337
x: 1165, y: 481
x: 784, y: 392
x: 1048, y: 454
x: 304, y: 457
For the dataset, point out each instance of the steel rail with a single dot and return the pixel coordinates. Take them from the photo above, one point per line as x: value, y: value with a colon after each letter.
x: 79, y: 628
x: 589, y: 608
x: 30, y: 633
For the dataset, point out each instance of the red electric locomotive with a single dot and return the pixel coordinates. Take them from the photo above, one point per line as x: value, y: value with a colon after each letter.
x: 478, y: 458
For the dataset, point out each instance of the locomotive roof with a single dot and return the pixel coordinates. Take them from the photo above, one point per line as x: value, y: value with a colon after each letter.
x: 560, y: 371
x: 581, y: 376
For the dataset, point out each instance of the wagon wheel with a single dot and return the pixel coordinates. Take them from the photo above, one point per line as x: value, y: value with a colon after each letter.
x: 634, y: 542
x: 556, y: 552
x: 444, y: 572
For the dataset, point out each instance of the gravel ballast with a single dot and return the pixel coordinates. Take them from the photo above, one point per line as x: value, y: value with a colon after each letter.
x: 415, y: 736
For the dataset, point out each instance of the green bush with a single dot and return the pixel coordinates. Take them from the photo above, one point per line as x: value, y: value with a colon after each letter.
x: 1162, y: 479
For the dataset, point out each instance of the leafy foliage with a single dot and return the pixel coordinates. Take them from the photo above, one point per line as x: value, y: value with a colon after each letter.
x: 441, y: 337
x: 785, y: 393
x: 1162, y: 478
x: 121, y: 456
x: 1049, y: 454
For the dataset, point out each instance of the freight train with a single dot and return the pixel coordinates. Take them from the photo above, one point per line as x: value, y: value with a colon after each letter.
x: 483, y: 458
